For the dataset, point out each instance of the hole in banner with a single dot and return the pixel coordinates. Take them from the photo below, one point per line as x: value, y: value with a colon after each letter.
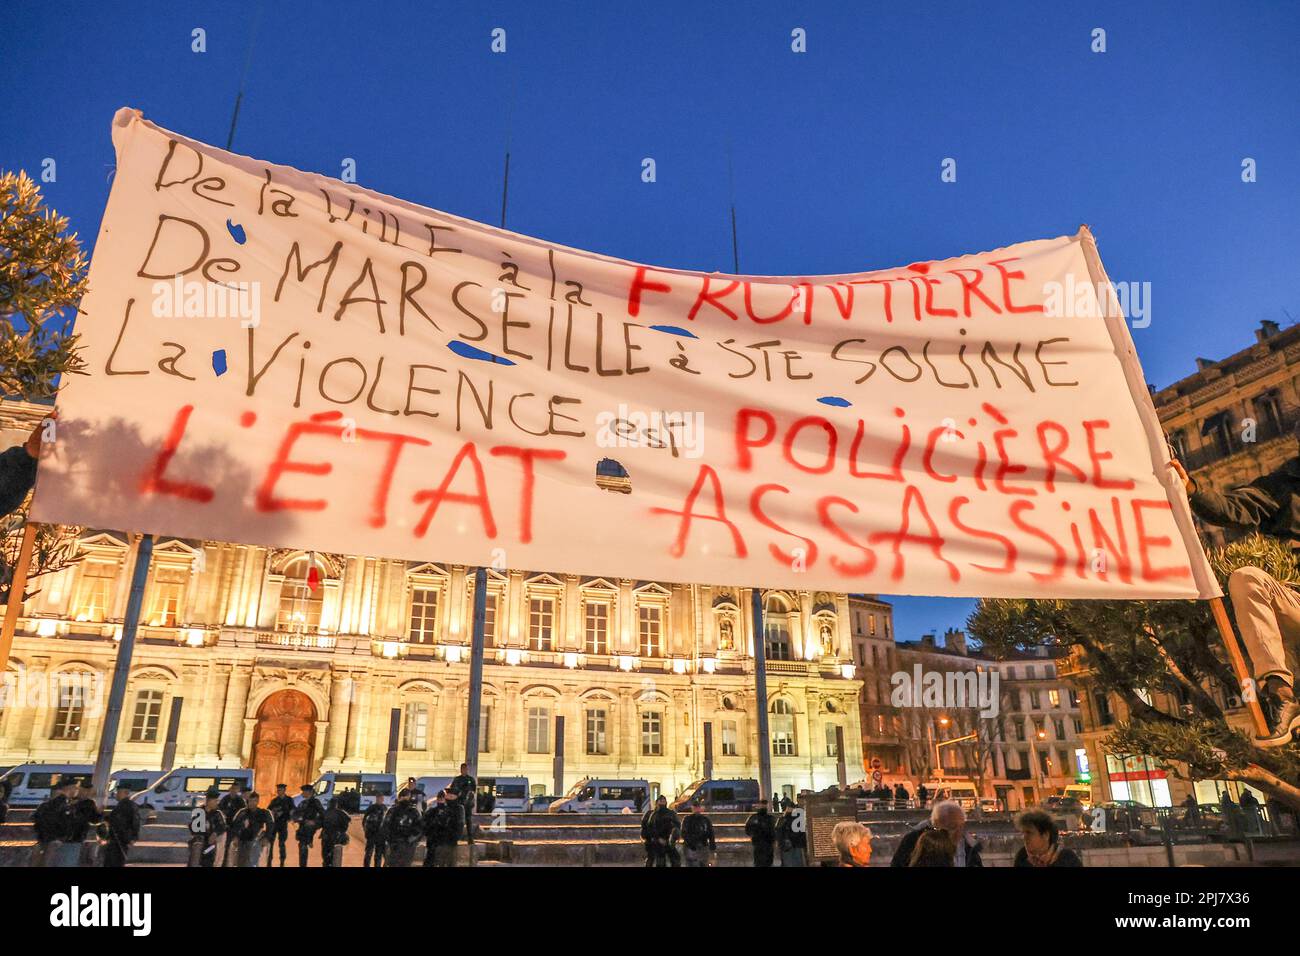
x: 612, y: 476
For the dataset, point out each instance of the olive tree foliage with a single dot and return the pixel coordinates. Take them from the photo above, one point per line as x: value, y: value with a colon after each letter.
x: 1134, y: 649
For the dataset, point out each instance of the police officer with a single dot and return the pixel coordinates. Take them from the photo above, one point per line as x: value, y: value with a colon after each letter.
x: 53, y: 823
x: 661, y: 830
x: 402, y: 830
x: 123, y: 828
x: 281, y: 807
x: 697, y: 836
x: 334, y: 831
x: 252, y: 828
x: 230, y: 806
x: 435, y: 822
x: 207, y: 823
x: 372, y: 825
x: 761, y: 830
x: 465, y: 787
x: 310, y: 817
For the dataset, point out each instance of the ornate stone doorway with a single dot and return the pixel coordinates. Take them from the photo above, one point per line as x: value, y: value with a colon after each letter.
x: 284, y: 743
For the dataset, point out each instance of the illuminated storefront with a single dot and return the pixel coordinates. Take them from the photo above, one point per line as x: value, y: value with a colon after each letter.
x: 1140, y: 779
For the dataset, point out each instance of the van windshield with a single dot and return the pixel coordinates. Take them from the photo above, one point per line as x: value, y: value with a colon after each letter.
x: 576, y: 788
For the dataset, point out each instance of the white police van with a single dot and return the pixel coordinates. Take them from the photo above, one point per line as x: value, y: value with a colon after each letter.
x: 30, y: 783
x: 186, y: 787
x: 599, y: 795
x: 508, y: 793
x: 354, y: 791
x: 133, y: 780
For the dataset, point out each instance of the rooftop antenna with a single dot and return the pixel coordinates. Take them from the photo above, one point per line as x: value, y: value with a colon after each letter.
x: 243, y: 77
x: 731, y: 198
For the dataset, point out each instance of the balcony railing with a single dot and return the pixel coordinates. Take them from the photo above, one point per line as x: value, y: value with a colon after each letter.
x: 313, y: 642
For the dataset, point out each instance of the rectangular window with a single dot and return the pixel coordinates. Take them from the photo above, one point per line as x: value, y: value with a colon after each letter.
x: 650, y: 626
x: 485, y: 730
x: 652, y: 738
x: 728, y: 738
x: 415, y: 726
x: 541, y: 623
x: 148, y: 713
x: 832, y: 741
x: 96, y: 591
x: 169, y: 590
x: 490, y: 618
x: 1060, y: 728
x: 871, y: 621
x: 1020, y: 731
x: 539, y: 730
x: 1078, y: 726
x: 597, y: 628
x: 1035, y: 700
x: 424, y: 616
x: 597, y: 743
x: 71, y: 710
x: 1053, y: 699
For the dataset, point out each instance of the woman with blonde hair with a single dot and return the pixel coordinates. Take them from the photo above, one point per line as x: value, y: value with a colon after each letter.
x: 853, y: 843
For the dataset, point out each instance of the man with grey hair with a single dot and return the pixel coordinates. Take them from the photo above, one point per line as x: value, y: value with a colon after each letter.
x: 946, y: 815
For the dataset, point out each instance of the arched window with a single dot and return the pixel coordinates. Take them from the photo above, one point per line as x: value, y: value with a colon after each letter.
x: 301, y: 596
x: 782, y: 728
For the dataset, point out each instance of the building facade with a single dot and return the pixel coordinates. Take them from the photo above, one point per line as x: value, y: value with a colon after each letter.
x: 294, y: 663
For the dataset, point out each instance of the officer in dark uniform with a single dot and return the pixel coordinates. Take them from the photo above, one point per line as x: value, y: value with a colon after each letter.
x: 402, y: 830
x: 230, y: 806
x: 310, y: 817
x: 207, y: 823
x: 661, y: 829
x: 465, y: 787
x: 253, y: 827
x: 281, y: 807
x: 372, y: 825
x: 123, y: 828
x: 334, y: 831
x: 761, y: 830
x: 53, y: 822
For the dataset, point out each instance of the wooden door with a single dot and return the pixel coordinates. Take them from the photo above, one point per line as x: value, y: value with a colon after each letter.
x: 284, y: 743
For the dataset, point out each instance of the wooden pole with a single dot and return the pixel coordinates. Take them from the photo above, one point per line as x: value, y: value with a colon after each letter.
x: 760, y: 692
x: 1239, y: 665
x: 17, y: 585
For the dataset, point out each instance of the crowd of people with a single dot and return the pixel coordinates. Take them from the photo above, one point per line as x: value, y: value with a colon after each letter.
x: 235, y: 829
x: 943, y: 840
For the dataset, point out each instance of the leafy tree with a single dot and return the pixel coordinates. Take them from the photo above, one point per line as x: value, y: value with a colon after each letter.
x: 42, y: 278
x: 1134, y: 648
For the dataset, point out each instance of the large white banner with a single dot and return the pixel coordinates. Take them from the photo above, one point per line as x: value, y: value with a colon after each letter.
x: 281, y: 358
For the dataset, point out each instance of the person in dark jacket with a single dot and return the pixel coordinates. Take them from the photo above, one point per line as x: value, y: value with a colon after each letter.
x: 281, y: 810
x: 444, y: 825
x: 661, y: 830
x: 922, y: 795
x: 1265, y: 608
x: 465, y: 787
x: 1042, y: 842
x: 791, y: 837
x: 207, y: 824
x: 334, y: 831
x: 124, y: 824
x: 402, y: 830
x: 698, y: 840
x: 230, y: 805
x: 85, y: 814
x: 949, y: 816
x: 761, y: 830
x: 309, y: 814
x: 18, y: 471
x: 53, y: 823
x: 253, y: 828
x: 372, y: 826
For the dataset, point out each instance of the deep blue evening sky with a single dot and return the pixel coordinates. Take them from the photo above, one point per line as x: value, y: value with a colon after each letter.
x: 836, y: 152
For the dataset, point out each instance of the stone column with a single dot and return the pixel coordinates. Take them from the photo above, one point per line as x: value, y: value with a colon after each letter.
x: 232, y: 722
x: 218, y: 684
x: 337, y: 718
x: 354, y: 753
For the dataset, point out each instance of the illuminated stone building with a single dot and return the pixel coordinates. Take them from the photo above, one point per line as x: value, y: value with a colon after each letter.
x: 294, y: 662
